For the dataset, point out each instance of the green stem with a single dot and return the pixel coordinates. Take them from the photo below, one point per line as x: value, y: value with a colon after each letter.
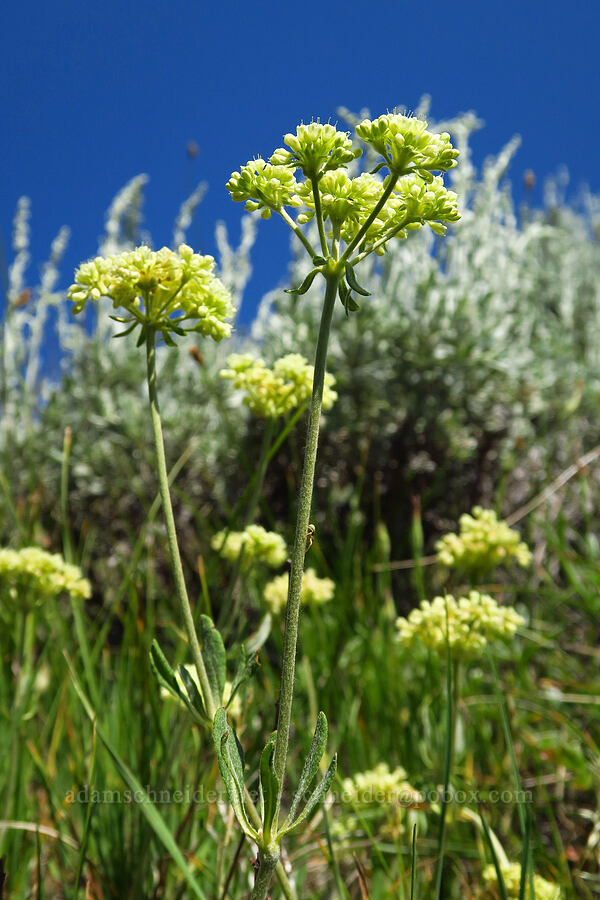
x: 264, y: 875
x: 302, y: 521
x: 448, y: 751
x: 369, y: 221
x: 163, y: 480
x: 298, y: 232
x: 319, y: 216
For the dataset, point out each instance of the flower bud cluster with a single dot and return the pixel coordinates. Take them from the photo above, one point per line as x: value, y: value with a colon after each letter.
x: 316, y: 149
x: 264, y: 186
x: 471, y: 623
x: 275, y: 392
x: 482, y: 544
x: 162, y: 288
x: 381, y: 787
x: 315, y: 591
x: 259, y: 545
x: 511, y: 875
x: 406, y: 145
x: 32, y: 575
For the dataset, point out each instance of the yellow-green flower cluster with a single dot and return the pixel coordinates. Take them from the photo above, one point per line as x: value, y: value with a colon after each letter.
x: 167, y: 290
x: 259, y: 545
x: 32, y: 575
x: 316, y: 149
x: 380, y: 787
x: 321, y: 153
x: 275, y: 392
x: 262, y: 185
x: 472, y: 622
x: 511, y: 875
x: 315, y: 591
x: 482, y: 543
x: 406, y: 145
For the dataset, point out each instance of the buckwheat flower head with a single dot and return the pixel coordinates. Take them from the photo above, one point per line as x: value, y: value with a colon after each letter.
x: 260, y: 546
x: 406, y: 145
x: 315, y: 591
x: 316, y: 149
x: 511, y: 875
x: 262, y: 185
x: 379, y: 787
x: 473, y: 621
x: 32, y: 575
x: 275, y: 392
x: 482, y: 543
x: 167, y: 290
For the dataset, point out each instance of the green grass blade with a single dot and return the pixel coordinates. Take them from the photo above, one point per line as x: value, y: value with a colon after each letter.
x: 155, y: 820
x: 88, y: 818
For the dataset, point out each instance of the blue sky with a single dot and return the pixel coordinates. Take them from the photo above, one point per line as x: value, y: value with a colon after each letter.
x: 94, y: 93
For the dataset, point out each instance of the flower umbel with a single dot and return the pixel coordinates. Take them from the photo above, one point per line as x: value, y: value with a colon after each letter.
x: 482, y: 543
x: 315, y: 591
x: 275, y: 392
x: 259, y: 546
x: 316, y: 149
x: 32, y: 575
x: 163, y: 289
x: 511, y: 875
x: 473, y: 621
x: 407, y: 146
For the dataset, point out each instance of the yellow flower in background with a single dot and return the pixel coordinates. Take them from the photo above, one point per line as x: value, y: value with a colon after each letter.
x: 315, y: 591
x: 379, y: 787
x: 472, y: 622
x: 483, y: 542
x: 276, y: 391
x: 31, y: 575
x: 511, y: 875
x: 260, y: 546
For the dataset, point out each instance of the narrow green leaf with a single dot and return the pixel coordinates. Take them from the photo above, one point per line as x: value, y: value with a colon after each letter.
x: 126, y: 332
x: 192, y: 690
x: 496, y: 861
x: 231, y: 766
x: 319, y: 260
x: 215, y: 659
x: 348, y: 301
x: 148, y: 809
x: 311, y: 765
x: 269, y: 787
x: 142, y: 337
x: 378, y: 167
x: 525, y: 860
x: 316, y: 797
x: 161, y: 667
x: 305, y: 284
x: 88, y: 817
x: 353, y: 283
x: 413, y: 865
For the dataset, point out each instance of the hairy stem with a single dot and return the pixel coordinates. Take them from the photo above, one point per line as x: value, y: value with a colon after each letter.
x: 165, y: 495
x: 299, y: 550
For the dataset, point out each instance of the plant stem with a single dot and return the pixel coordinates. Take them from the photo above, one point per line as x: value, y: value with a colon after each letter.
x: 163, y: 480
x: 302, y: 521
x: 355, y: 242
x: 263, y: 876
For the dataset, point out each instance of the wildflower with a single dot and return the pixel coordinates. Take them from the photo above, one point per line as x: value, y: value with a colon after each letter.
x: 316, y: 149
x: 33, y: 575
x: 259, y: 545
x: 511, y: 875
x: 407, y: 146
x: 262, y: 185
x: 472, y: 622
x: 482, y: 544
x: 380, y: 787
x: 315, y: 591
x: 275, y: 392
x: 164, y: 289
